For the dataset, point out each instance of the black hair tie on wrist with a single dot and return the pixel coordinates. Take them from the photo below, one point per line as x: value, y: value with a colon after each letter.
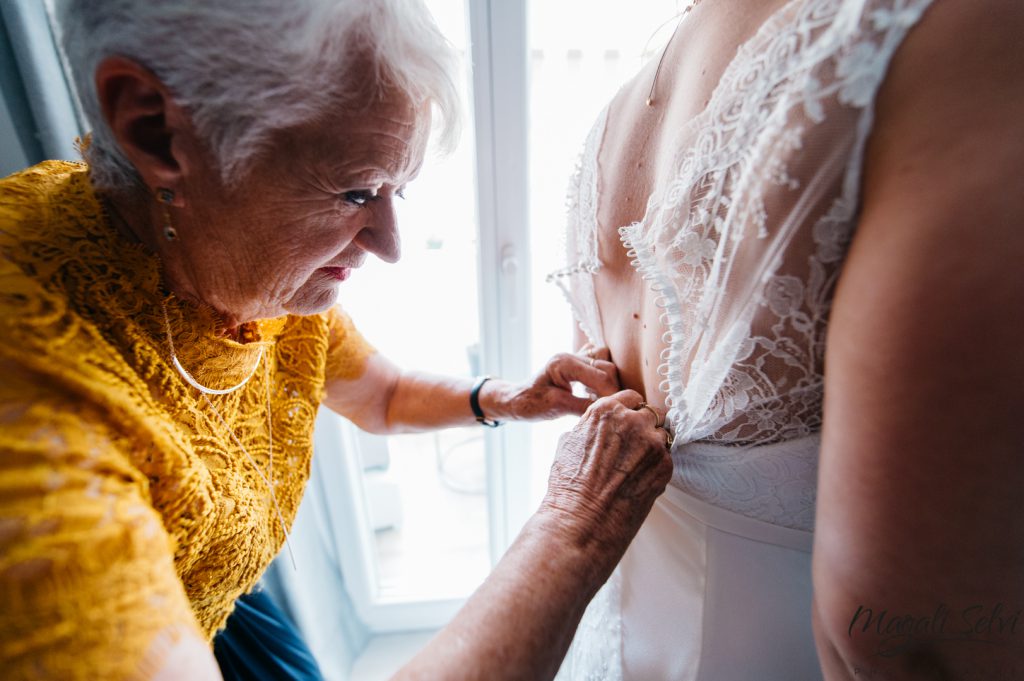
x: 474, y: 404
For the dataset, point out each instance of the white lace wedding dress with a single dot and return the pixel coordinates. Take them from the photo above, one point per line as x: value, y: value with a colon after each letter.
x: 743, y: 245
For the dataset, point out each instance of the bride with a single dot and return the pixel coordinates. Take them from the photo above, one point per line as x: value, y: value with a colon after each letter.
x: 791, y: 172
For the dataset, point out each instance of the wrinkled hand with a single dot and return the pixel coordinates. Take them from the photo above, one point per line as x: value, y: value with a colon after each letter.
x: 549, y: 395
x: 608, y: 471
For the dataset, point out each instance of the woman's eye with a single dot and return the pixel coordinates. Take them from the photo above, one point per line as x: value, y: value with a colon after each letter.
x: 358, y: 198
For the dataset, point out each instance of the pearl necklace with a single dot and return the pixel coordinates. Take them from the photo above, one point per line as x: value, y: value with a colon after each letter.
x: 206, y: 392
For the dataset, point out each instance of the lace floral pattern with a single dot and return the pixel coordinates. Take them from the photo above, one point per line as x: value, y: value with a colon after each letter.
x: 576, y: 280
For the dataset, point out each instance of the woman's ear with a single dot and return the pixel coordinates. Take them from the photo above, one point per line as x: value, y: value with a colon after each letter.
x: 154, y: 133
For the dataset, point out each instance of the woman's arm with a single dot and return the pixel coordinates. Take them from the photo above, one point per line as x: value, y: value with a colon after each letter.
x: 88, y: 585
x: 919, y: 542
x: 387, y: 399
x: 519, y: 623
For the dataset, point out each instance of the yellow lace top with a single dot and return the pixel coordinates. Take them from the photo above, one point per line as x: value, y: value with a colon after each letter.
x: 127, y: 512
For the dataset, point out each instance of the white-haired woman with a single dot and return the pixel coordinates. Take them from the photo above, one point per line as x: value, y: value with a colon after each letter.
x: 167, y: 335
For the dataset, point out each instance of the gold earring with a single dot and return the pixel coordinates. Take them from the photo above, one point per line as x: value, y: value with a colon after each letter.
x: 166, y: 197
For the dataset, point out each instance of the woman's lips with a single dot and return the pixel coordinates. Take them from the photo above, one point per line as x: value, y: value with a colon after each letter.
x: 337, y: 273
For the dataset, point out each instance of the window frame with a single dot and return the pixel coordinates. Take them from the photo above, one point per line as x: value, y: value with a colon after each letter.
x: 500, y: 92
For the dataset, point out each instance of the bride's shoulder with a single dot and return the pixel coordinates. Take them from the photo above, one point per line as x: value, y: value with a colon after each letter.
x: 947, y: 140
x: 980, y: 39
x: 958, y: 73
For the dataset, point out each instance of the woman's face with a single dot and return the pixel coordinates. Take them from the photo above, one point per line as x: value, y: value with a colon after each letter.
x: 310, y: 210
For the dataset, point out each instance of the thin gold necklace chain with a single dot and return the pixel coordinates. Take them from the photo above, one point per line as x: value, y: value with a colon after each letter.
x: 689, y: 8
x: 206, y: 392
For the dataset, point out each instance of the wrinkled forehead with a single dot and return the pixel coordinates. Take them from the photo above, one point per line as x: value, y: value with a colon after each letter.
x: 389, y: 132
x: 382, y: 140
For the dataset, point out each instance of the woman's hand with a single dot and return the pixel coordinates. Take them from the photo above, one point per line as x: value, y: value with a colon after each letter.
x: 608, y: 471
x: 549, y: 394
x: 519, y: 623
x: 385, y: 399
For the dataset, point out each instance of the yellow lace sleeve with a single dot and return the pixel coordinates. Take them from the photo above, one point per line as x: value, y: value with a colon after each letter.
x: 347, y: 350
x: 88, y: 588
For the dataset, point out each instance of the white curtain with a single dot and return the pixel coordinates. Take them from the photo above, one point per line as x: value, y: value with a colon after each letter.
x: 41, y: 119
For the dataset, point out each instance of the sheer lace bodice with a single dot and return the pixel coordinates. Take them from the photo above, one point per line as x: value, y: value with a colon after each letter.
x: 743, y: 242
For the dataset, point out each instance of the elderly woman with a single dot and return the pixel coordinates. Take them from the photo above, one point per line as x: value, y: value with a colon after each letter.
x: 167, y: 333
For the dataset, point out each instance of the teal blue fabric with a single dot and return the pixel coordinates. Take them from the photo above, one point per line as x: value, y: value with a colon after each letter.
x: 260, y: 643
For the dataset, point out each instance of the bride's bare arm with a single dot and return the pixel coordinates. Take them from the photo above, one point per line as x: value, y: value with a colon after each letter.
x: 918, y: 551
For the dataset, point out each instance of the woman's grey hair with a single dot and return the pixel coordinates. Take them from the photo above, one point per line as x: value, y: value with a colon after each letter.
x: 245, y: 68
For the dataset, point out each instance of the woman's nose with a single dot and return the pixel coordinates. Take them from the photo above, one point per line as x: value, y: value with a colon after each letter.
x: 381, y: 236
